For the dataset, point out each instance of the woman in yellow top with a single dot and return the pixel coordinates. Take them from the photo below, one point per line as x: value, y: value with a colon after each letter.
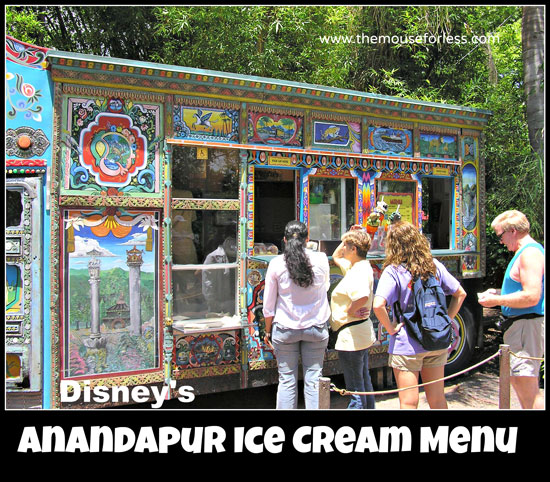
x: 351, y: 303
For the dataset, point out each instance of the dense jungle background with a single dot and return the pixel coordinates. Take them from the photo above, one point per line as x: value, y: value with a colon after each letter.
x: 503, y: 71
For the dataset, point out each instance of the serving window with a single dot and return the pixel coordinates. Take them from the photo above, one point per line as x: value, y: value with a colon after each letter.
x: 205, y: 218
x: 332, y: 207
x: 274, y: 206
x: 437, y: 206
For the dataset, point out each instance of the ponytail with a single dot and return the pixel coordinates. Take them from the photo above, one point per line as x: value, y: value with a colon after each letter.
x: 297, y: 262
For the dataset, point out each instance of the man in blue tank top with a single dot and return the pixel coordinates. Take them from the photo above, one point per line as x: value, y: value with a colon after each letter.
x: 522, y: 303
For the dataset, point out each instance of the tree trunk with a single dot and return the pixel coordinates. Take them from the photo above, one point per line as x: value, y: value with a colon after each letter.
x: 532, y: 36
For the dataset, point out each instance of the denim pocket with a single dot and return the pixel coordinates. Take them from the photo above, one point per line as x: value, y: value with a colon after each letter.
x: 316, y: 333
x: 280, y: 335
x: 290, y: 335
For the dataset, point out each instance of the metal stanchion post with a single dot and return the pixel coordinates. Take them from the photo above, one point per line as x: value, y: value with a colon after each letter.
x: 324, y: 393
x: 504, y: 378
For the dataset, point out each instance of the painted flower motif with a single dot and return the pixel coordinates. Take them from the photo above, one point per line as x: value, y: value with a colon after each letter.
x: 29, y: 106
x: 112, y: 191
x: 28, y: 90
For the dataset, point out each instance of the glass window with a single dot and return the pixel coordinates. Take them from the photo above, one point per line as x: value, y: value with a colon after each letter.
x: 274, y: 206
x: 331, y: 207
x: 437, y: 205
x: 396, y: 186
x: 14, y: 207
x: 205, y: 173
x: 204, y: 241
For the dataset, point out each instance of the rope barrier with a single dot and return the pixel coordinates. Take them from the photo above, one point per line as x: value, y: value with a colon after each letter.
x: 526, y: 357
x: 344, y: 392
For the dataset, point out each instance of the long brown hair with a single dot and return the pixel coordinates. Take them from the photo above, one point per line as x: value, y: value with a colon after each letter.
x: 406, y: 245
x: 297, y: 262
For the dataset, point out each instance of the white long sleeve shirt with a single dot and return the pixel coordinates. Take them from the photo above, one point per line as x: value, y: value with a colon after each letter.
x: 291, y: 305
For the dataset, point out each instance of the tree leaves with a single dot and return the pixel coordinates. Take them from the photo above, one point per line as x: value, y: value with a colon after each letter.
x: 333, y: 46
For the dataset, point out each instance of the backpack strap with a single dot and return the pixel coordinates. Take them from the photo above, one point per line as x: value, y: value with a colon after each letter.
x: 397, y: 304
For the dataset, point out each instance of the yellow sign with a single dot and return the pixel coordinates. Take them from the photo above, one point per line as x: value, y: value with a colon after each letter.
x: 441, y: 171
x: 202, y: 153
x: 402, y: 202
x: 279, y: 161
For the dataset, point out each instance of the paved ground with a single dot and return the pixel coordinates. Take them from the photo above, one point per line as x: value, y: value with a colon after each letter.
x: 477, y: 392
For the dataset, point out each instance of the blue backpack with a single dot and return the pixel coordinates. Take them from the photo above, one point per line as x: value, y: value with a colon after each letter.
x: 429, y: 322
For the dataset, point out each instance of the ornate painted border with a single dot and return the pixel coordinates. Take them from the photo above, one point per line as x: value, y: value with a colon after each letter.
x: 71, y: 92
x: 99, y: 201
x: 206, y: 204
x: 175, y: 80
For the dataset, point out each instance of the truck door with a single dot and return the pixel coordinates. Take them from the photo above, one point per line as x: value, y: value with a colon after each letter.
x: 23, y: 322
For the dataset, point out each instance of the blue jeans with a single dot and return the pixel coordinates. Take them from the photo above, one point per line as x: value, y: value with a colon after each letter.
x: 289, y: 345
x: 355, y: 365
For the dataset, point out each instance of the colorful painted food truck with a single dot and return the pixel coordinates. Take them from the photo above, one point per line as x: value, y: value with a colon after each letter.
x: 145, y: 202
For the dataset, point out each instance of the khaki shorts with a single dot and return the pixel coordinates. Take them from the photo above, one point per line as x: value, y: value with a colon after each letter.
x: 526, y: 338
x: 415, y: 363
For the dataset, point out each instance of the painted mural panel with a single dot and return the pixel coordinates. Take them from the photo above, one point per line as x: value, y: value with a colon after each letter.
x: 24, y: 87
x: 111, y: 312
x: 257, y: 350
x: 206, y: 124
x: 438, y: 146
x: 469, y: 194
x: 470, y: 234
x: 194, y: 351
x: 275, y: 129
x: 28, y: 105
x: 390, y: 141
x: 14, y: 289
x: 346, y: 135
x: 14, y: 367
x: 113, y: 146
x: 469, y: 148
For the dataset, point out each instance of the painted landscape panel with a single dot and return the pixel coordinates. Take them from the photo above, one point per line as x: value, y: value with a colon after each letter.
x: 111, y: 323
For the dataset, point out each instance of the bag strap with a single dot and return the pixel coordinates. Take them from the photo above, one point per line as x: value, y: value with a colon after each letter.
x: 397, y: 304
x: 356, y: 322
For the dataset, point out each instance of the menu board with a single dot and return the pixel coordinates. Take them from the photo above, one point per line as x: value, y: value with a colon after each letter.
x: 402, y: 201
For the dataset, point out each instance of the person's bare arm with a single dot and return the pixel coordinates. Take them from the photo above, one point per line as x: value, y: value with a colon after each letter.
x: 531, y: 271
x: 457, y: 299
x: 381, y: 312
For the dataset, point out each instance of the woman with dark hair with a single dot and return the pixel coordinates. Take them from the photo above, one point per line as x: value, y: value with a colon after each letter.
x: 408, y: 257
x: 296, y: 311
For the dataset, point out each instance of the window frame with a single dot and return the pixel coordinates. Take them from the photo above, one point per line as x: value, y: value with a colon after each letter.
x: 217, y: 205
x: 342, y: 178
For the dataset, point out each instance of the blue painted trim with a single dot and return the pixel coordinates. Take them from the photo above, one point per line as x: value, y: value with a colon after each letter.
x: 46, y: 299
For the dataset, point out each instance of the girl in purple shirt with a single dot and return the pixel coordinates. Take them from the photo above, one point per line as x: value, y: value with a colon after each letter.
x: 408, y: 256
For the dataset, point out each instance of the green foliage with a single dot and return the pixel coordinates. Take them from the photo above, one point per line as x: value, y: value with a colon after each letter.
x: 286, y: 42
x: 276, y: 42
x: 125, y: 32
x: 24, y: 24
